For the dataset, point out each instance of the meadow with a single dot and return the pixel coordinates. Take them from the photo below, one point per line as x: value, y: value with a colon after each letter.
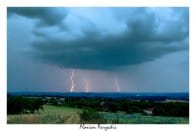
x: 67, y: 115
x: 50, y: 115
x: 136, y: 118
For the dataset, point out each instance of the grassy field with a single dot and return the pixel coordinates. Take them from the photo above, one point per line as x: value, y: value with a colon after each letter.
x: 123, y: 118
x: 50, y: 115
x: 67, y: 115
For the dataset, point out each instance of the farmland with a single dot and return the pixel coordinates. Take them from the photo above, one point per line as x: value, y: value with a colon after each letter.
x: 60, y: 114
x: 50, y: 115
x: 77, y: 110
x: 123, y: 118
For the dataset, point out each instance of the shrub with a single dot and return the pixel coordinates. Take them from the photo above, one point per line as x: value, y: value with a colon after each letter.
x: 19, y: 104
x: 134, y: 109
x: 91, y: 116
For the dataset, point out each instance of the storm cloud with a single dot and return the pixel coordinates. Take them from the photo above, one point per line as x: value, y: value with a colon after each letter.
x: 121, y: 37
x: 141, y: 49
x: 45, y: 16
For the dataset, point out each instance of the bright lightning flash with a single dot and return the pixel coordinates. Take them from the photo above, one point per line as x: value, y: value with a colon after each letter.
x: 117, y: 84
x: 72, y: 81
x: 86, y: 85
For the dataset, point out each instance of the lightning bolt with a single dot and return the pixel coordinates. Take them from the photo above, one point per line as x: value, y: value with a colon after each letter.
x: 86, y: 85
x: 117, y: 83
x: 72, y: 81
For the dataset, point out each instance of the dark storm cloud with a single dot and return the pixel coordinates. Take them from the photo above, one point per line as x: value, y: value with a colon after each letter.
x: 46, y: 16
x: 90, y: 53
x: 145, y: 38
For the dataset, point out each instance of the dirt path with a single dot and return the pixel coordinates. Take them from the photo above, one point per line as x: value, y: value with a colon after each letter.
x: 73, y: 119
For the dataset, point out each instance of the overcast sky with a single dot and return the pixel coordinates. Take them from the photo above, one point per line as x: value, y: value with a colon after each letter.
x: 98, y: 49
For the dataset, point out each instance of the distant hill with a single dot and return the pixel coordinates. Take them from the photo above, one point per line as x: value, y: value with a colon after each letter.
x: 113, y: 95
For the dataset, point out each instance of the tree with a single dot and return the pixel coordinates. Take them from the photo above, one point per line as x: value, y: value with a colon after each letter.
x: 19, y: 104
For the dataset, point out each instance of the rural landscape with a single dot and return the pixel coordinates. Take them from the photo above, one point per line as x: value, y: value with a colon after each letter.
x: 125, y: 109
x: 108, y: 65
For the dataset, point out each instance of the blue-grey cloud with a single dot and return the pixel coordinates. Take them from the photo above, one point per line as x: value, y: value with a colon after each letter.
x: 145, y: 37
x: 46, y: 16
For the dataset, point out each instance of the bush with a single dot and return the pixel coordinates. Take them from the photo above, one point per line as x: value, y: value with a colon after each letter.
x: 91, y: 116
x: 19, y: 104
x: 134, y: 109
x: 172, y: 109
x: 159, y: 110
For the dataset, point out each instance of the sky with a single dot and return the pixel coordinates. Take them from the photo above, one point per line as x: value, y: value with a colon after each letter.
x: 135, y: 49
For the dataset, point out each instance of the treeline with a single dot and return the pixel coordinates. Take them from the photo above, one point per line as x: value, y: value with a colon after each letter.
x: 179, y: 109
x: 20, y: 104
x: 171, y: 109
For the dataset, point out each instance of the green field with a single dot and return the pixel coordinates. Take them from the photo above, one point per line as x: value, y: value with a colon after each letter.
x: 67, y: 115
x: 50, y: 115
x: 123, y: 118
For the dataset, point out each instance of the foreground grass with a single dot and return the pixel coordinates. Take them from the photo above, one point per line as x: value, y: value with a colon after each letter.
x: 122, y: 118
x: 50, y: 115
x: 67, y: 115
